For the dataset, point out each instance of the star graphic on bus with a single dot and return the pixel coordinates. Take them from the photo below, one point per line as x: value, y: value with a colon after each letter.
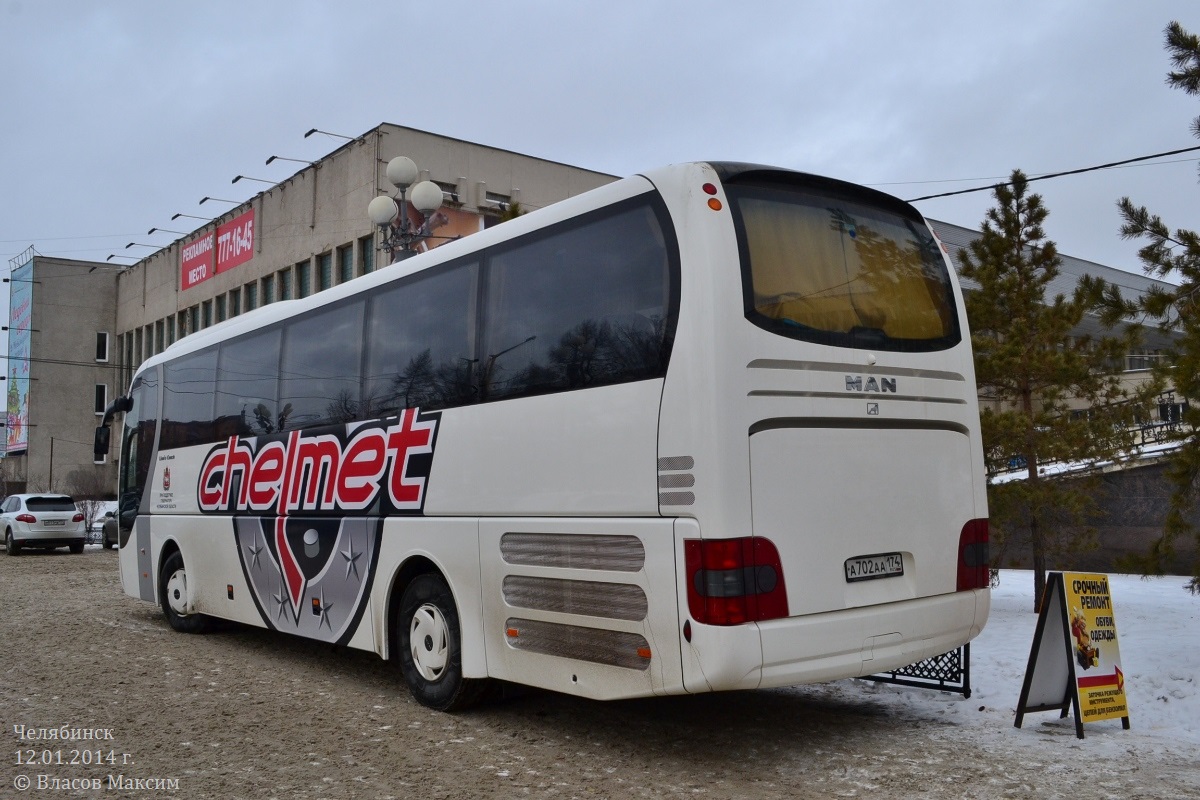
x: 324, y: 609
x: 351, y: 559
x: 285, y: 603
x: 254, y: 549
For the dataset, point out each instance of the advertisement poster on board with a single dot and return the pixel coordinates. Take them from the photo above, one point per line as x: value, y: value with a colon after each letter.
x: 1075, y: 662
x: 1099, y: 681
x: 20, y: 306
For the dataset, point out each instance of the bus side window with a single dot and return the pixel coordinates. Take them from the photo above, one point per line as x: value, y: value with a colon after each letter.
x: 141, y: 425
x: 583, y: 306
x: 188, y: 400
x: 319, y: 380
x: 247, y: 386
x: 421, y: 336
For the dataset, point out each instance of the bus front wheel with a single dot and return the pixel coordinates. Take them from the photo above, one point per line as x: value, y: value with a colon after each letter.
x: 430, y: 646
x: 173, y: 596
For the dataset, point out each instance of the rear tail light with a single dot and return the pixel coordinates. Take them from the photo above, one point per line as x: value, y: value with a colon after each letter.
x: 77, y: 518
x: 973, y: 558
x: 30, y: 518
x: 732, y: 581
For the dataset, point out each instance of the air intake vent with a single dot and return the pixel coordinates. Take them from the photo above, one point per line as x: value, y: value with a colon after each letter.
x: 614, y: 648
x: 674, y: 472
x: 585, y: 551
x: 589, y: 598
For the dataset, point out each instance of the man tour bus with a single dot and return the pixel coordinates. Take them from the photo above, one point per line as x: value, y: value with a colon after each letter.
x: 710, y: 427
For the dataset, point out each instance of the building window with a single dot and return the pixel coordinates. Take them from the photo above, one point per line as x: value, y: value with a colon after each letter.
x: 235, y: 302
x: 102, y: 346
x: 1141, y: 359
x: 193, y: 319
x: 160, y: 341
x: 268, y: 290
x: 303, y: 279
x: 285, y: 284
x: 251, y: 296
x: 206, y: 317
x: 345, y: 263
x: 366, y: 253
x: 324, y: 271
x: 220, y: 300
x: 170, y: 330
x: 149, y: 342
x: 101, y: 398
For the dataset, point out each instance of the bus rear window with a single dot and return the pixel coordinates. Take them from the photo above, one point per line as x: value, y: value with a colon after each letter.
x: 841, y: 271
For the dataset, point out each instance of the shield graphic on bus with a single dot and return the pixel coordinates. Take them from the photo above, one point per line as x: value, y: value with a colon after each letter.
x: 309, y: 576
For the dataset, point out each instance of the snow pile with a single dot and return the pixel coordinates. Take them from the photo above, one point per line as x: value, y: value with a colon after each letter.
x: 1158, y: 626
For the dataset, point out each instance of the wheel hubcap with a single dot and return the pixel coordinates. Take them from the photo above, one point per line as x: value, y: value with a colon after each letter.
x: 177, y: 592
x: 429, y: 639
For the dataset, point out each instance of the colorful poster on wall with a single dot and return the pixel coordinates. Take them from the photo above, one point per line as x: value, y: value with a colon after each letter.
x: 20, y: 307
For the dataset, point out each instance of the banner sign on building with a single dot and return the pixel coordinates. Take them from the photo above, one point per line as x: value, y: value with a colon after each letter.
x: 232, y: 245
x: 20, y: 305
x: 1075, y: 661
x: 196, y: 262
x: 235, y: 242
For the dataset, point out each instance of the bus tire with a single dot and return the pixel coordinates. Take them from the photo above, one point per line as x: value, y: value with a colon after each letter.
x: 430, y: 646
x: 10, y: 544
x: 172, y: 595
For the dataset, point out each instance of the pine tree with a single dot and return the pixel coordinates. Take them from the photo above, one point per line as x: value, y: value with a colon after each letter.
x: 1034, y: 370
x: 1175, y: 257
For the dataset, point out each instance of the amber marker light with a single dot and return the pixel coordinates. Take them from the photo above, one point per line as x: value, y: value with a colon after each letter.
x: 512, y: 633
x: 715, y: 204
x: 643, y: 652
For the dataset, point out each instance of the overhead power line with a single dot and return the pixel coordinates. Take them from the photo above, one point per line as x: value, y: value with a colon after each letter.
x: 1060, y: 174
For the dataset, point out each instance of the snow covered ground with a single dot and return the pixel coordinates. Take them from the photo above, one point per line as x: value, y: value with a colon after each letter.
x: 1158, y: 626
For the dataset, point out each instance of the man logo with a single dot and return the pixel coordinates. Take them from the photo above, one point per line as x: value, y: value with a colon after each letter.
x: 855, y: 383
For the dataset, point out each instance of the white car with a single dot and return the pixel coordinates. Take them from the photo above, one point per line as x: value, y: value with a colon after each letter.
x: 41, y: 520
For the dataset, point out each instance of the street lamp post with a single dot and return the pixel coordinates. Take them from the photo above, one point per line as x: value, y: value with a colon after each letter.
x: 401, y: 234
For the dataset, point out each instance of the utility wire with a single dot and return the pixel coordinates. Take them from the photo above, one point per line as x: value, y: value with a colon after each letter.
x: 1059, y: 174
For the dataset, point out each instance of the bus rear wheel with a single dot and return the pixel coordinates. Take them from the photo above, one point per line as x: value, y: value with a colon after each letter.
x: 430, y: 646
x: 173, y: 596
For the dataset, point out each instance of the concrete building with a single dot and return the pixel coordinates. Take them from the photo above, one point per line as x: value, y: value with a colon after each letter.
x: 62, y: 373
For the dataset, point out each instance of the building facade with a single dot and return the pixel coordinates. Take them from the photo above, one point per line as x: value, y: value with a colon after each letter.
x: 62, y: 374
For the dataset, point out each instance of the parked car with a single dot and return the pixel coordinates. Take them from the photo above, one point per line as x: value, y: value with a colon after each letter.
x: 108, y: 537
x: 41, y: 520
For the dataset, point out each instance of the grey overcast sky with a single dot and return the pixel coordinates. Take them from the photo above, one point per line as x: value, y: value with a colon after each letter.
x: 116, y: 115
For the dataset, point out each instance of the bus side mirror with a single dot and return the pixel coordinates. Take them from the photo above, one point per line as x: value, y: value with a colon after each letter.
x: 101, y: 445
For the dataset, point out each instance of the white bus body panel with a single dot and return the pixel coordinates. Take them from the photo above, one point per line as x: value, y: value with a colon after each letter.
x: 584, y: 452
x: 578, y: 629
x: 784, y: 447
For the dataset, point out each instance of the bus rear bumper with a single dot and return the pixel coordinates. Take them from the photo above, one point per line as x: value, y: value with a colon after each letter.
x: 836, y: 645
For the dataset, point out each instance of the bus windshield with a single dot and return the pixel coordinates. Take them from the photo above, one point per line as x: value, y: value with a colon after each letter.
x: 837, y: 270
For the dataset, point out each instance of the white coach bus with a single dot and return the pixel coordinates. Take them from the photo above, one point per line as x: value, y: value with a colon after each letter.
x: 711, y: 427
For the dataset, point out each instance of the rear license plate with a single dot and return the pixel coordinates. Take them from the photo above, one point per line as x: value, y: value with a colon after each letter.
x: 865, y: 568
x: 52, y: 523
